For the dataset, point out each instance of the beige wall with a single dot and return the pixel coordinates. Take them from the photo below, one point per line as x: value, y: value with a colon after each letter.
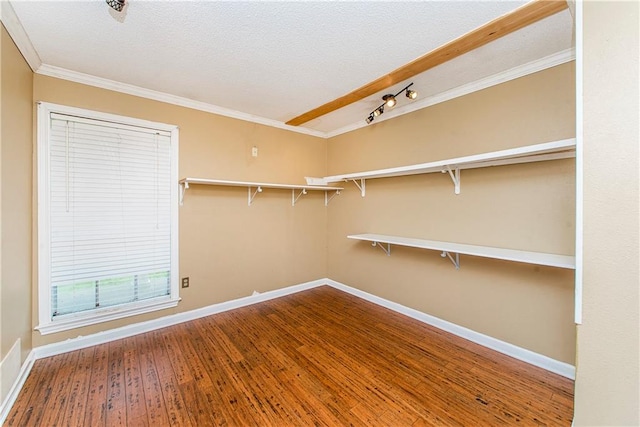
x: 608, y: 360
x: 16, y: 156
x: 527, y: 207
x: 227, y: 248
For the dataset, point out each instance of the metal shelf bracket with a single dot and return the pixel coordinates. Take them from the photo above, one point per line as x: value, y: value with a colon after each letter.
x: 295, y: 198
x: 360, y: 186
x: 455, y: 177
x: 253, y: 195
x: 455, y: 261
x: 183, y: 189
x: 328, y: 198
x: 386, y: 250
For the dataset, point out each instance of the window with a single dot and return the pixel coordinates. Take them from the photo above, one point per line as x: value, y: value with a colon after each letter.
x: 107, y: 217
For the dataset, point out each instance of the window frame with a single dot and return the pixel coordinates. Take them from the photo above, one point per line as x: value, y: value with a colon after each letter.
x: 47, y: 324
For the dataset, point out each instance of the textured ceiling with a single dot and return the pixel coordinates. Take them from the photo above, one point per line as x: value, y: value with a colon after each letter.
x: 276, y: 60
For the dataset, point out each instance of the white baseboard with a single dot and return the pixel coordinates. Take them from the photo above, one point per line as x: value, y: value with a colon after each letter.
x: 78, y: 343
x: 536, y: 359
x: 9, y: 368
x: 162, y: 322
x: 12, y: 371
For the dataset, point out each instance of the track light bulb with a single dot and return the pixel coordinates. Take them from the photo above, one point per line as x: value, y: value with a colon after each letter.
x: 378, y: 111
x: 369, y: 119
x: 389, y: 100
x: 411, y: 94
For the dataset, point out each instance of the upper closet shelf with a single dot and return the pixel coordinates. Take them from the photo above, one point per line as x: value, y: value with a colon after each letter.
x: 297, y: 191
x: 553, y: 150
x: 448, y: 248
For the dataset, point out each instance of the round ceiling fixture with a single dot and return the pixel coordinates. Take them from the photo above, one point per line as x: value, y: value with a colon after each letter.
x: 116, y: 5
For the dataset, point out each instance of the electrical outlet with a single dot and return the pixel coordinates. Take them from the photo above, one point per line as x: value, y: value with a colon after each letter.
x: 185, y: 282
x: 254, y: 152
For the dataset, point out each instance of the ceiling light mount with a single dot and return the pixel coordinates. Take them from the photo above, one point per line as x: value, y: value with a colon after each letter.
x: 390, y: 101
x: 116, y: 5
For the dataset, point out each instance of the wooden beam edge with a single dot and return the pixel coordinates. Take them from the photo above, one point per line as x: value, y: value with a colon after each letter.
x: 519, y: 18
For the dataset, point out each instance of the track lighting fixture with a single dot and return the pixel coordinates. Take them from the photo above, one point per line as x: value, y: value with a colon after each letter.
x: 116, y: 5
x: 390, y: 101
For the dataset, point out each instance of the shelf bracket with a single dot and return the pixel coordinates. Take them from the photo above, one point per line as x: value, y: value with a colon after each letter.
x: 360, y: 186
x: 295, y: 198
x: 328, y: 198
x: 455, y: 177
x: 455, y: 261
x: 252, y: 195
x: 386, y: 250
x: 183, y: 188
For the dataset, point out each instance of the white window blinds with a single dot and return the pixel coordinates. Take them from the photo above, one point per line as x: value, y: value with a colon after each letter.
x: 110, y: 214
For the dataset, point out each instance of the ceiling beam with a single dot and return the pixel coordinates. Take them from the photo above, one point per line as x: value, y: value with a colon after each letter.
x: 493, y: 30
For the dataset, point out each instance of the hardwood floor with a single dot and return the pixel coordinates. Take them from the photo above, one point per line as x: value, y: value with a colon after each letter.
x: 318, y: 357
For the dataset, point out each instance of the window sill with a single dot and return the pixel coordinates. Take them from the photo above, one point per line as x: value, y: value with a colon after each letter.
x: 73, y: 321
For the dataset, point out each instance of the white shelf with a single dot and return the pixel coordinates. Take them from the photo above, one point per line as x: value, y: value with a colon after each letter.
x: 259, y: 186
x: 554, y: 150
x: 448, y: 248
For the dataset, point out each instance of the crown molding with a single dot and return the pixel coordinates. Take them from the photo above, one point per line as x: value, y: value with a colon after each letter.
x: 99, y: 82
x: 502, y: 77
x: 553, y: 60
x: 19, y: 35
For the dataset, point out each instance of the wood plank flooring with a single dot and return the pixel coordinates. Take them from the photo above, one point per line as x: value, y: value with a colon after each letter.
x: 318, y: 357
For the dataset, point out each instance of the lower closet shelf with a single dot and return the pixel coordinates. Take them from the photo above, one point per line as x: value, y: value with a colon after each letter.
x: 448, y: 248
